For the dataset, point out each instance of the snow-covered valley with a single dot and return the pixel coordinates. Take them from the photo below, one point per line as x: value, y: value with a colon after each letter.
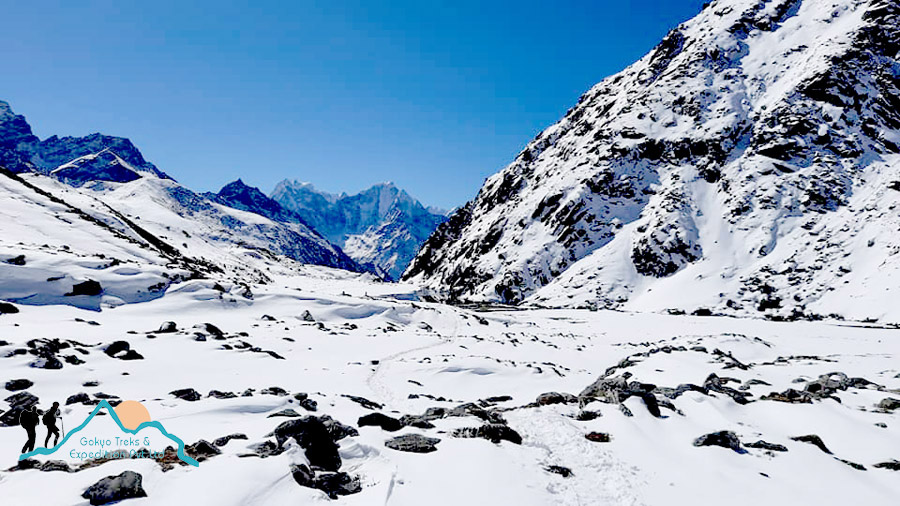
x: 335, y: 336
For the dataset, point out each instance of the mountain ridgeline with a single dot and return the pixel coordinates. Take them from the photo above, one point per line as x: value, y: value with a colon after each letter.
x: 382, y: 227
x: 747, y: 165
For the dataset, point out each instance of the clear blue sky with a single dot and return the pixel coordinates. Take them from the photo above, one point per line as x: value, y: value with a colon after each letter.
x: 434, y: 96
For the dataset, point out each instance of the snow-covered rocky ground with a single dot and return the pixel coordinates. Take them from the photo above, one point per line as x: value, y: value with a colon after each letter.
x: 336, y: 335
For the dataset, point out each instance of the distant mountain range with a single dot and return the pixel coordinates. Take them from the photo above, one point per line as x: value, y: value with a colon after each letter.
x: 382, y: 227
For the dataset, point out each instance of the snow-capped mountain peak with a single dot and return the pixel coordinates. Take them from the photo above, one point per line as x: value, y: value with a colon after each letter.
x: 382, y: 226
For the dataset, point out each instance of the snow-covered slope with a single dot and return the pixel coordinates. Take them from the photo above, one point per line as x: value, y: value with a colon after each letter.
x: 636, y: 395
x: 748, y: 164
x: 114, y: 178
x: 381, y: 227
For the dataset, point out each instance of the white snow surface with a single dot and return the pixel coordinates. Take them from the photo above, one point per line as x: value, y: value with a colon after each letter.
x: 367, y: 341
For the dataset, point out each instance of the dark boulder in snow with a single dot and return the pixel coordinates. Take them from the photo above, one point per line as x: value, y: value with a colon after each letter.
x: 387, y: 423
x: 18, y: 384
x: 892, y: 465
x: 222, y: 441
x: 126, y: 485
x: 312, y: 435
x: 7, y: 308
x: 338, y: 430
x: 765, y: 445
x: 17, y: 403
x: 202, y: 450
x: 79, y: 398
x: 887, y: 404
x: 555, y: 398
x: 813, y: 440
x: 493, y: 432
x: 723, y: 438
x: 17, y: 260
x: 413, y: 443
x: 598, y: 437
x: 333, y: 484
x: 218, y: 394
x: 167, y: 327
x: 186, y: 394
x: 90, y: 288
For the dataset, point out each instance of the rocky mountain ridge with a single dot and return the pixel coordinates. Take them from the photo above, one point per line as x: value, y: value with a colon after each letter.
x: 382, y: 226
x: 746, y: 165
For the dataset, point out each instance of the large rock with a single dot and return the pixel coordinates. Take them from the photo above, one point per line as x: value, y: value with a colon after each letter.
x: 312, y: 435
x: 126, y: 485
x: 887, y: 404
x: 414, y: 443
x: 493, y: 432
x: 187, y: 394
x: 333, y: 484
x: 723, y: 438
x: 387, y: 423
x: 89, y: 288
x: 7, y: 308
x: 17, y: 403
x: 18, y: 384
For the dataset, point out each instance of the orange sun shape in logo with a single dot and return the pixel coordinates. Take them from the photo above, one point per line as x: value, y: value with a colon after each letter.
x: 132, y: 414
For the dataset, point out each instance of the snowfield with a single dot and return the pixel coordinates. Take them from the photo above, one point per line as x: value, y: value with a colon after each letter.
x: 362, y: 339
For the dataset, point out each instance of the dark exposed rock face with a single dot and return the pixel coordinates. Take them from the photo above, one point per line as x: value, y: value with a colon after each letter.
x: 126, y: 485
x: 414, y: 443
x: 7, y: 308
x: 725, y: 439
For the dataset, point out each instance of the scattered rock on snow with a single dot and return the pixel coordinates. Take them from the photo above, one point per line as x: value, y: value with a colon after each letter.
x: 186, y: 394
x: 202, y: 450
x: 218, y: 394
x: 886, y: 404
x: 287, y: 412
x: 362, y: 401
x: 79, y: 398
x: 414, y: 443
x: 126, y: 485
x: 598, y: 437
x: 892, y: 465
x: 565, y: 472
x: 7, y: 308
x: 813, y: 440
x: 387, y: 423
x: 493, y: 432
x: 764, y: 445
x: 554, y: 398
x: 312, y: 435
x: 18, y: 384
x: 222, y: 441
x: 167, y: 328
x: 723, y: 438
x: 17, y: 403
x: 90, y: 288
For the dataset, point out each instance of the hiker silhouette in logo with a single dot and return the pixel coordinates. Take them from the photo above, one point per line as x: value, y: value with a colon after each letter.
x: 28, y: 419
x: 50, y: 421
